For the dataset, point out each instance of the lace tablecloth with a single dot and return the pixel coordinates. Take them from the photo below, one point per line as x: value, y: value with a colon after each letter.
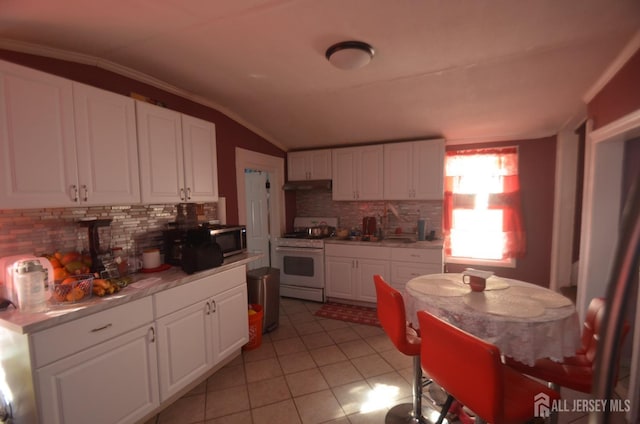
x: 525, y: 321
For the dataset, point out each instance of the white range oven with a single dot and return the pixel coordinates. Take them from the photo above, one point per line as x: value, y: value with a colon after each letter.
x: 300, y: 258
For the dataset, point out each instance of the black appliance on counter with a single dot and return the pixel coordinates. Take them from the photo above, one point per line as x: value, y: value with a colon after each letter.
x: 232, y: 240
x: 200, y: 252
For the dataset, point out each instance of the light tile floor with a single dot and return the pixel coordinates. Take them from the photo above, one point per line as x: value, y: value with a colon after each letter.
x: 309, y: 370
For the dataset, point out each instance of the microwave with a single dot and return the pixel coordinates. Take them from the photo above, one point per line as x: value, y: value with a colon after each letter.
x: 231, y: 239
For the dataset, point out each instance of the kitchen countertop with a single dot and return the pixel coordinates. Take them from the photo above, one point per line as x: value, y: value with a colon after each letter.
x: 143, y: 285
x: 390, y: 242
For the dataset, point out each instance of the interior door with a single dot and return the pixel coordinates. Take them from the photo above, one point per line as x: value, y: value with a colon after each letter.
x: 257, y: 216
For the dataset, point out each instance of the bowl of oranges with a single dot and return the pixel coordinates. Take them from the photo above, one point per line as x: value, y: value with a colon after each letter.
x: 72, y: 289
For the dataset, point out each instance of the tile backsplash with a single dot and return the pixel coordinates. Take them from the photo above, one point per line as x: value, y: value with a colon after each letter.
x: 133, y: 227
x: 350, y: 214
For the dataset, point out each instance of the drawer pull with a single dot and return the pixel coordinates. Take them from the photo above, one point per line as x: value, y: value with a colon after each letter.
x: 95, y: 330
x: 152, y: 330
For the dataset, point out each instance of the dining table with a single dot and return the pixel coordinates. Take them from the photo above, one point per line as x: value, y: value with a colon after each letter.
x: 525, y: 321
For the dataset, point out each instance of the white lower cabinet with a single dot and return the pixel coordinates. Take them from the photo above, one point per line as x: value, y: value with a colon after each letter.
x: 230, y: 322
x: 199, y: 325
x: 408, y: 263
x: 349, y: 270
x: 184, y: 350
x: 119, y: 365
x: 113, y: 381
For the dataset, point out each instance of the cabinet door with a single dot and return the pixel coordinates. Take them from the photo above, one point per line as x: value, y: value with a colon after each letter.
x: 344, y: 174
x: 184, y: 347
x: 370, y: 173
x: 339, y: 277
x: 398, y: 171
x: 428, y: 169
x: 297, y: 169
x: 366, y: 269
x: 200, y: 160
x: 113, y: 382
x: 319, y: 164
x: 309, y: 165
x: 161, y: 154
x: 37, y: 139
x: 230, y: 322
x: 107, y: 146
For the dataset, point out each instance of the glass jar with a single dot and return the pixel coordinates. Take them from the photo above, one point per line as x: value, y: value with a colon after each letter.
x: 29, y: 285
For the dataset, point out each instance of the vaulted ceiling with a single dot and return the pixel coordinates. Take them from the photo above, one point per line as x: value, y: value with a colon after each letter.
x: 465, y: 70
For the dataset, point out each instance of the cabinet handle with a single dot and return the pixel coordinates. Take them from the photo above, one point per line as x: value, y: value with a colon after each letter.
x: 213, y: 304
x: 208, y: 312
x: 415, y: 256
x: 74, y: 193
x: 104, y: 327
x: 182, y: 194
x: 188, y: 193
x: 86, y: 192
x: 153, y: 334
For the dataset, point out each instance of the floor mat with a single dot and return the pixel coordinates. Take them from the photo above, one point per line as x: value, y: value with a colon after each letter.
x: 350, y: 313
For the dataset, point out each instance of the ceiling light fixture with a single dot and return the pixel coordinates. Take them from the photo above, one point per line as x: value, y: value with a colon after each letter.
x: 350, y: 54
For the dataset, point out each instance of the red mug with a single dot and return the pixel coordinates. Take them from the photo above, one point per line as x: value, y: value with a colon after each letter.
x: 476, y: 279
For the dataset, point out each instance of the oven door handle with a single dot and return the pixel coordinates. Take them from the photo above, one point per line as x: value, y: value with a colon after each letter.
x: 299, y: 250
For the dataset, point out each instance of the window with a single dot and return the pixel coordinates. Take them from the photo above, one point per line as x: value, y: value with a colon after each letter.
x: 482, y: 216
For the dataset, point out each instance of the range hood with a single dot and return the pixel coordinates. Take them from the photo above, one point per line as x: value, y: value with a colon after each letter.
x: 308, y: 185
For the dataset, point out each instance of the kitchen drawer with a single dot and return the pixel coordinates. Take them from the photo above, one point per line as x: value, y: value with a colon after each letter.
x: 180, y: 297
x: 402, y: 272
x: 65, y: 339
x: 431, y: 256
x: 354, y: 251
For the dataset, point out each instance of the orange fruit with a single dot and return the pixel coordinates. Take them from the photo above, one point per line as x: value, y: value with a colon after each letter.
x: 55, y: 262
x: 60, y: 274
x: 69, y: 257
x: 75, y: 294
x: 69, y: 280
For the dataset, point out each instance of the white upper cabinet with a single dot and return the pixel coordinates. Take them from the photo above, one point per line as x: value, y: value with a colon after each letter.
x: 309, y: 165
x: 414, y: 170
x: 200, y: 159
x: 64, y: 143
x: 358, y: 173
x: 107, y: 147
x: 178, y: 161
x: 37, y: 139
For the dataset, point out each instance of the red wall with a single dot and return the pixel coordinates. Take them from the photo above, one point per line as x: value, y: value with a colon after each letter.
x: 229, y: 133
x: 537, y: 162
x: 619, y: 97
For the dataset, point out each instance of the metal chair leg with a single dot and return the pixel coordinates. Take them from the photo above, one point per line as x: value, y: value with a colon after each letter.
x: 553, y: 417
x: 445, y: 409
x: 409, y: 413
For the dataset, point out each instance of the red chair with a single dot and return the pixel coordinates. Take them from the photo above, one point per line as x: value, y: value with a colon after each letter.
x: 574, y: 372
x: 470, y: 370
x: 391, y: 314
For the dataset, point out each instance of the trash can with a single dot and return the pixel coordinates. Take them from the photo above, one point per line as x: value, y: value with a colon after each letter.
x: 263, y: 287
x: 255, y: 327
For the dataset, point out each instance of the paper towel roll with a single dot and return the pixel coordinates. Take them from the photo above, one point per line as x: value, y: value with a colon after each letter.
x: 222, y: 210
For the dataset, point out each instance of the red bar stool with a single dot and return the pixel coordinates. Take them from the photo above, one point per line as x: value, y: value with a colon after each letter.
x: 470, y: 370
x: 391, y: 314
x: 574, y: 372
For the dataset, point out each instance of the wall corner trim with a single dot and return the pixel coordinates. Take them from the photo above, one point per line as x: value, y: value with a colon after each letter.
x: 623, y: 57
